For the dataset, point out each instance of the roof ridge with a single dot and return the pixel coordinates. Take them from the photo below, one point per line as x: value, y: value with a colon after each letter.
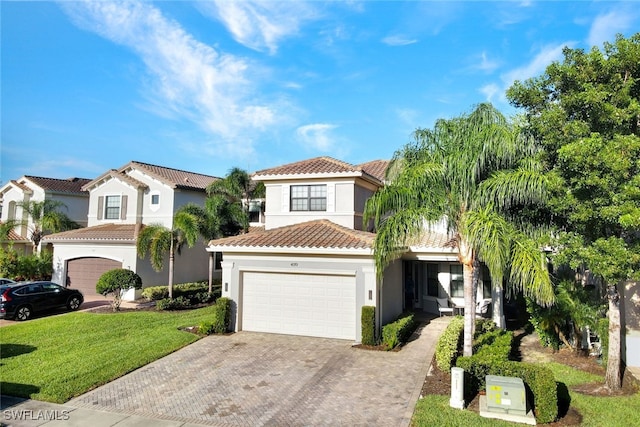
x: 145, y: 165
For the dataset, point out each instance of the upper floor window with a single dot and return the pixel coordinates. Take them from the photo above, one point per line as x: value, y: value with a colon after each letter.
x: 308, y: 197
x: 155, y: 199
x: 112, y: 207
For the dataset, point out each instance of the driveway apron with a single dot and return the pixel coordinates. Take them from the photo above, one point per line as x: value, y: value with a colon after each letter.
x: 256, y: 379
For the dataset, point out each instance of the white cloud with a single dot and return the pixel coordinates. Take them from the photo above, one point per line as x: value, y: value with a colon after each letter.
x: 317, y: 135
x: 186, y: 78
x: 605, y: 27
x: 535, y: 67
x: 490, y: 90
x: 538, y: 64
x: 260, y: 24
x: 398, y: 40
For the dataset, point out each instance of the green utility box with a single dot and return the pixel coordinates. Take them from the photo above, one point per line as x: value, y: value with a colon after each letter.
x: 506, y: 395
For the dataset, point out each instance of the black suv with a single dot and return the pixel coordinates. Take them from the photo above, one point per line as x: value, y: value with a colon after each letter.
x: 19, y: 300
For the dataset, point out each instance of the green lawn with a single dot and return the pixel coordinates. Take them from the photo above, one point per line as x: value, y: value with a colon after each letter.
x: 59, y: 357
x: 596, y: 411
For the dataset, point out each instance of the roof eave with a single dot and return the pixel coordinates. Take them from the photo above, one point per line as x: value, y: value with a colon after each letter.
x: 289, y: 250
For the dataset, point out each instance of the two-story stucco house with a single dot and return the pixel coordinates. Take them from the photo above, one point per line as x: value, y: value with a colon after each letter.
x: 121, y: 202
x: 312, y: 269
x: 38, y: 189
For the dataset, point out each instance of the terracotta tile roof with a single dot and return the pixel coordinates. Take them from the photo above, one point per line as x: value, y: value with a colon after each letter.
x: 325, y: 165
x: 313, y: 234
x: 433, y: 240
x: 256, y: 228
x: 175, y: 177
x: 376, y: 168
x: 119, y: 232
x: 21, y: 186
x: 69, y: 185
x: 117, y: 175
x: 14, y: 237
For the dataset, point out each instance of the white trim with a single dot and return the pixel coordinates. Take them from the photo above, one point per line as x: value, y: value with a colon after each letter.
x: 291, y: 250
x: 314, y: 271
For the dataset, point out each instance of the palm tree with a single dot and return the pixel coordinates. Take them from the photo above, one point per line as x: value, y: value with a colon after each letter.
x: 45, y: 216
x: 210, y: 222
x: 231, y: 198
x: 473, y: 172
x: 157, y: 240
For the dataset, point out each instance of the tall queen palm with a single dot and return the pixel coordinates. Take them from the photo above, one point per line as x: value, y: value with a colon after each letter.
x: 473, y: 173
x: 158, y: 240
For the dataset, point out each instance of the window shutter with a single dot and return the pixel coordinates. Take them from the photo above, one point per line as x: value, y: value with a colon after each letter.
x: 331, y: 197
x: 100, y: 207
x: 285, y: 198
x: 123, y: 207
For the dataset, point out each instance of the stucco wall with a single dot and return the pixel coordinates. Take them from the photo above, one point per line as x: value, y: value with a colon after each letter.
x: 190, y: 266
x: 340, y: 203
x: 392, y: 293
x: 113, y: 187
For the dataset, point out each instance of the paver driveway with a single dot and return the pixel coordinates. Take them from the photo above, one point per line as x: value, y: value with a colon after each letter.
x: 254, y: 379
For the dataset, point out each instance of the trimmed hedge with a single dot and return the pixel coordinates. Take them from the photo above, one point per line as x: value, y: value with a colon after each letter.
x: 179, y: 303
x: 447, y: 348
x: 539, y: 380
x: 222, y: 316
x: 193, y: 291
x: 395, y: 333
x: 221, y: 319
x: 368, y: 321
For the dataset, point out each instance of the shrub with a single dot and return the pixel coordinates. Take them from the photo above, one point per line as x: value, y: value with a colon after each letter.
x: 368, y: 320
x: 205, y: 328
x: 155, y: 293
x: 539, y: 379
x: 447, y: 348
x: 222, y: 316
x: 179, y: 303
x: 115, y: 281
x: 395, y: 333
x: 192, y: 291
x: 16, y: 266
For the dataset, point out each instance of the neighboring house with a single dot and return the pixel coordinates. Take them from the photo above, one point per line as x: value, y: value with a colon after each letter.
x: 630, y: 317
x: 121, y: 202
x: 37, y: 189
x: 311, y: 270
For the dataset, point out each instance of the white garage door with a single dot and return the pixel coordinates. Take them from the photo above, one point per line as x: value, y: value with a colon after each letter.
x: 299, y: 304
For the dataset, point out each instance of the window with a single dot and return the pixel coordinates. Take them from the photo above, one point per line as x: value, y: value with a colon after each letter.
x: 486, y: 282
x: 457, y: 280
x: 432, y: 280
x: 155, y: 199
x: 308, y: 197
x: 112, y: 207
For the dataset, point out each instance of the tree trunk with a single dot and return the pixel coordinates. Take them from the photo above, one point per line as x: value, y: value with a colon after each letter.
x: 469, y: 309
x: 475, y: 279
x: 497, y: 303
x: 171, y: 259
x: 612, y: 376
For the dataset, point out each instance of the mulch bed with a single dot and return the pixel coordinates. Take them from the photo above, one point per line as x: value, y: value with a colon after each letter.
x: 439, y: 382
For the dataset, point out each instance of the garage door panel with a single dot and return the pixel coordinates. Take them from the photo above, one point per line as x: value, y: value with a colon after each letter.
x: 299, y: 304
x: 83, y: 273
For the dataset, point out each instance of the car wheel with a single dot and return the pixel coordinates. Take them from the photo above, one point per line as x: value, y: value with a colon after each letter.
x: 23, y: 313
x: 73, y: 303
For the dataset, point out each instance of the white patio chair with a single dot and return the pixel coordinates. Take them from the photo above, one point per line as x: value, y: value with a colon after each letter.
x: 444, y: 307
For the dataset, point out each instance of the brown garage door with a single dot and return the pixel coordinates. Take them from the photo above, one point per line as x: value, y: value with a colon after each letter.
x: 83, y: 273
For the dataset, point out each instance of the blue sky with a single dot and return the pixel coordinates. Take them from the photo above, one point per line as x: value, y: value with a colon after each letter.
x: 206, y: 86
